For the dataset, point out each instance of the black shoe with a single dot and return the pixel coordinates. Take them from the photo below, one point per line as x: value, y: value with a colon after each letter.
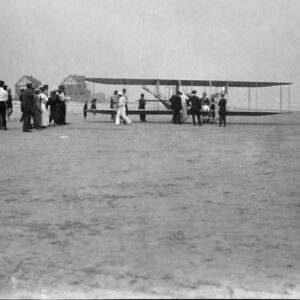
x: 4, y: 128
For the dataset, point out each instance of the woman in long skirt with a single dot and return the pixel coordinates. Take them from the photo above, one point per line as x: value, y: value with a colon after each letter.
x: 45, y: 116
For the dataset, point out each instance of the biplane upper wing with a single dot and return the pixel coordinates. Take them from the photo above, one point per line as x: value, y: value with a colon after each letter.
x: 214, y: 83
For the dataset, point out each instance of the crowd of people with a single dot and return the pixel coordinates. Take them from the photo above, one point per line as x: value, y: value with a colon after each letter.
x: 39, y: 110
x: 202, y: 108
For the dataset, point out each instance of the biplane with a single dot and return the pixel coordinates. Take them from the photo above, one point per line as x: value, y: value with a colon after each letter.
x: 221, y: 87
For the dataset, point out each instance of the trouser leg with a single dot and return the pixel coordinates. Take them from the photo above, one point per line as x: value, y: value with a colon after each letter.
x: 26, y: 121
x: 39, y: 120
x: 174, y: 120
x: 118, y: 116
x: 193, y: 117
x: 199, y: 118
x: 178, y: 121
x: 220, y: 118
x: 123, y: 114
x: 63, y: 113
x: 3, y: 114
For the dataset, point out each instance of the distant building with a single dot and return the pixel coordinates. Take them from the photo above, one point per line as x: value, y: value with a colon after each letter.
x: 21, y: 84
x: 76, y: 88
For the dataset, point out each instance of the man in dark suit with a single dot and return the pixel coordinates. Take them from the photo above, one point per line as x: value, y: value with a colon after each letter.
x: 27, y: 107
x: 176, y: 105
x: 222, y: 111
x: 196, y: 106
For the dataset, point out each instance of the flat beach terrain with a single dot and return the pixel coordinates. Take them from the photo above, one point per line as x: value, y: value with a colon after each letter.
x: 91, y: 210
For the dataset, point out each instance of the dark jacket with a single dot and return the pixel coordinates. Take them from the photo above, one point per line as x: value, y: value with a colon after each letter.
x: 176, y: 103
x: 222, y: 105
x: 27, y: 101
x: 205, y: 101
x: 195, y: 102
x: 37, y: 108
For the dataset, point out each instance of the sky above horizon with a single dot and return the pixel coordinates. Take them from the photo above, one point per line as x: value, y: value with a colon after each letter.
x: 180, y: 39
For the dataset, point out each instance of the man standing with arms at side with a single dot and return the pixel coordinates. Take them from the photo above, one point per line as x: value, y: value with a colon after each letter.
x: 142, y: 105
x: 176, y: 105
x: 27, y: 107
x: 222, y: 110
x: 195, y: 103
x: 3, y: 100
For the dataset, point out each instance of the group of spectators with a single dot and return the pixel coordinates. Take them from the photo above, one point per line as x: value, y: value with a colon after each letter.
x: 38, y: 109
x: 202, y: 108
x: 35, y: 104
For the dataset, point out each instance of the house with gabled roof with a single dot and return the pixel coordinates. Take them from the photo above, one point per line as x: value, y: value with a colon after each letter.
x: 76, y: 88
x: 22, y: 82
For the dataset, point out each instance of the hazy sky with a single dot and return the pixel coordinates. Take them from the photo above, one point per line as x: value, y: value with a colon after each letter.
x: 188, y: 39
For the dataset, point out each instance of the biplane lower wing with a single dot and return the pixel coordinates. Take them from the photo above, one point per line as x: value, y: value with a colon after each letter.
x: 170, y: 112
x: 132, y: 111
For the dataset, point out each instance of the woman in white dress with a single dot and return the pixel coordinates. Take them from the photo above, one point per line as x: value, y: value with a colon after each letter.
x: 45, y: 116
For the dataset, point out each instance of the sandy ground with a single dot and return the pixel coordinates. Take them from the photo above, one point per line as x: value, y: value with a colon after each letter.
x: 151, y: 209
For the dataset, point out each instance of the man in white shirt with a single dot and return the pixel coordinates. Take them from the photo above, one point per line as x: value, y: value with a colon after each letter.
x: 121, y: 110
x: 3, y: 99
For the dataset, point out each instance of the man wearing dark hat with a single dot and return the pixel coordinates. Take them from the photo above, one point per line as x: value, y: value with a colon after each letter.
x: 176, y: 105
x: 222, y: 110
x: 3, y: 100
x: 27, y: 107
x: 142, y: 105
x: 196, y: 106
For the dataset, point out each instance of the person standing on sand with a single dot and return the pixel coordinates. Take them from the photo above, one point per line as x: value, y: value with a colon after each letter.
x: 93, y: 106
x: 195, y: 103
x: 58, y: 108
x: 222, y: 111
x: 27, y: 107
x: 3, y: 100
x: 9, y: 103
x: 113, y: 104
x: 213, y: 108
x: 20, y: 99
x: 126, y: 101
x: 63, y: 99
x: 121, y: 110
x: 44, y: 100
x: 142, y: 105
x: 37, y: 108
x: 85, y: 107
x: 205, y: 107
x: 176, y: 105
